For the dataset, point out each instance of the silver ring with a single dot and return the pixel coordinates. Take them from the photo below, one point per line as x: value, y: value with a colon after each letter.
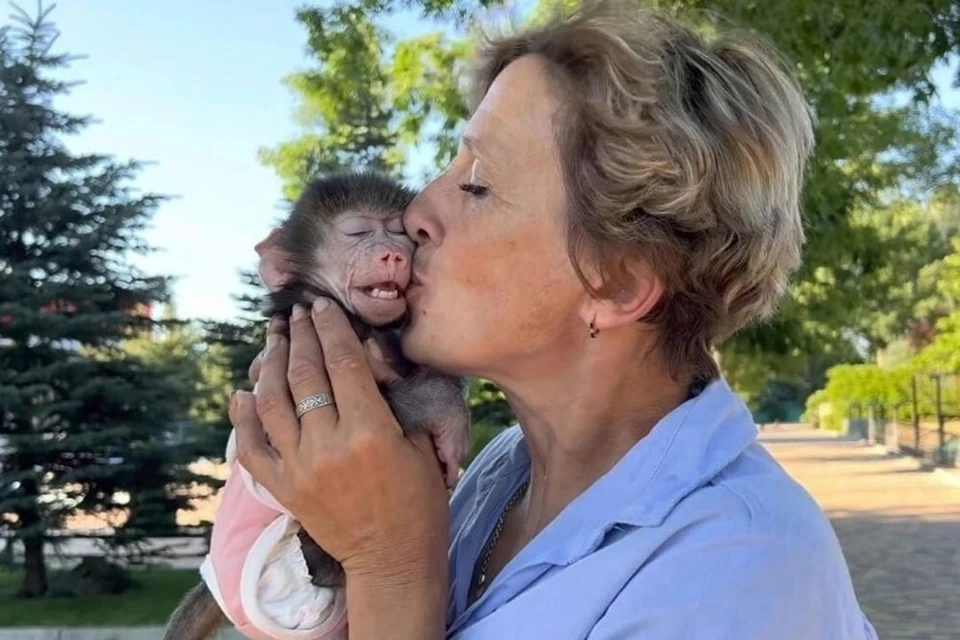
x: 314, y: 402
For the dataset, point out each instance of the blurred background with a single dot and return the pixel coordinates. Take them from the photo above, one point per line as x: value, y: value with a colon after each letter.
x: 146, y: 147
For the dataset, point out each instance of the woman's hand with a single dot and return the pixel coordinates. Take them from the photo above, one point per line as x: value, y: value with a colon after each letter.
x: 370, y: 497
x: 378, y: 364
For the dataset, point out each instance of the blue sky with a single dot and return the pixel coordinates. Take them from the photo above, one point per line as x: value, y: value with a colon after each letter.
x: 195, y: 88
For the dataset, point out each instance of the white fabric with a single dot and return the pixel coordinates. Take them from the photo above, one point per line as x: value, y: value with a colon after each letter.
x: 275, y: 590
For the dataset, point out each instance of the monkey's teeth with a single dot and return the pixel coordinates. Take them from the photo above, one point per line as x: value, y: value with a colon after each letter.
x: 384, y: 294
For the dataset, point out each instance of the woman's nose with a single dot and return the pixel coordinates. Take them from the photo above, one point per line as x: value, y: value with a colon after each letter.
x: 419, y: 221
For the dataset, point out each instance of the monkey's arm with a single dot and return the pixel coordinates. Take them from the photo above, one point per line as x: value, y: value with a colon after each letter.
x: 435, y: 403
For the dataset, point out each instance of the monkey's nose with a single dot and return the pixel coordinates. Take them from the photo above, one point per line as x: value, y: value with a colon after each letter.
x: 393, y: 257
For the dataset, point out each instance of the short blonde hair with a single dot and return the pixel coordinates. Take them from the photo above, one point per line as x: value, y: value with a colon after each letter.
x: 687, y: 152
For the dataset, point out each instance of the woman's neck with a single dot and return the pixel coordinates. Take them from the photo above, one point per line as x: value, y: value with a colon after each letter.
x: 579, y: 423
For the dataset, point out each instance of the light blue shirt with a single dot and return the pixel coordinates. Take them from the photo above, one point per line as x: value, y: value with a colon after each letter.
x: 697, y: 533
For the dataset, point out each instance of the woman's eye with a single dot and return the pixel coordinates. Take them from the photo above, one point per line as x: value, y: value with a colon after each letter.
x: 358, y: 234
x: 475, y: 189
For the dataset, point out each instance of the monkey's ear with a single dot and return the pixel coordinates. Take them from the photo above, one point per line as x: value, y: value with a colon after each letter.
x: 272, y: 264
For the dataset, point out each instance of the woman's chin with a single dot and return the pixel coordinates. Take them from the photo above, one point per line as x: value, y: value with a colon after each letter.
x: 419, y: 345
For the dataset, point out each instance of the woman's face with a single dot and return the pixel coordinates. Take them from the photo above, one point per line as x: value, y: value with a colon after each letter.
x: 498, y: 293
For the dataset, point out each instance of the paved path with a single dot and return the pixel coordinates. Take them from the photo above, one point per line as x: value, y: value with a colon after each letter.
x: 899, y: 526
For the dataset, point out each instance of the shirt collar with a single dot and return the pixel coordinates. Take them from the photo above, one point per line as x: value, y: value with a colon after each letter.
x: 685, y: 450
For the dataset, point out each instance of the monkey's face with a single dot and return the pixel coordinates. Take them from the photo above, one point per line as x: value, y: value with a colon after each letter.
x: 367, y: 261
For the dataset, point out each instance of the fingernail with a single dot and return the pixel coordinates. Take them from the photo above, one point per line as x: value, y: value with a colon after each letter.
x: 277, y: 324
x: 238, y: 400
x: 375, y: 350
x: 298, y: 311
x: 321, y: 304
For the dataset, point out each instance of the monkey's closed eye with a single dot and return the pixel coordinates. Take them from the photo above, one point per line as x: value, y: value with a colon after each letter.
x: 475, y: 189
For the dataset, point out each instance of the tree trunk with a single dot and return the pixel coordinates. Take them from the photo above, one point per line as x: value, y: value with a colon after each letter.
x: 34, y: 563
x: 35, y: 567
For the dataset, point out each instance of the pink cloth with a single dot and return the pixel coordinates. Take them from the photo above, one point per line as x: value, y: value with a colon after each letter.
x: 256, y: 572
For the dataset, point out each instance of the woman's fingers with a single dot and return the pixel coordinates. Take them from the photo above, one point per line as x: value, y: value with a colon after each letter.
x: 378, y: 364
x: 306, y: 372
x: 274, y: 405
x: 253, y: 371
x: 253, y: 451
x: 351, y: 379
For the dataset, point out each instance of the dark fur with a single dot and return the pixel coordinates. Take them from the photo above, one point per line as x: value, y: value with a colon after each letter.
x: 422, y: 399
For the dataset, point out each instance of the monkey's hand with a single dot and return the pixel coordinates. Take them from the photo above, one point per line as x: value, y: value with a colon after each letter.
x: 451, y: 439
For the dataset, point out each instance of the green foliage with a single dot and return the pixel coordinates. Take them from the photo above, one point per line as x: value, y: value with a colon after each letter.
x: 347, y: 98
x: 480, y: 435
x: 190, y: 374
x: 811, y: 413
x: 426, y: 73
x: 82, y: 419
x: 942, y: 355
x: 873, y: 156
x: 934, y: 353
x: 360, y: 109
x: 881, y: 151
x: 868, y: 384
x: 232, y: 346
x: 852, y: 390
x: 900, y: 289
x: 488, y: 404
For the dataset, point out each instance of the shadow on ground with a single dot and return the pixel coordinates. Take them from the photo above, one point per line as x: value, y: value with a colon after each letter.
x: 906, y: 571
x: 898, y: 524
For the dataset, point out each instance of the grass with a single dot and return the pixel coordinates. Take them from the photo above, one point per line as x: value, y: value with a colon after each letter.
x: 150, y: 603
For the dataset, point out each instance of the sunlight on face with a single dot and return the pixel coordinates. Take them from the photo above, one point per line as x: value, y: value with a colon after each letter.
x: 498, y: 291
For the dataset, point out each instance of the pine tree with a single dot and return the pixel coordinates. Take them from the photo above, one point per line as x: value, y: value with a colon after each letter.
x: 185, y: 375
x: 81, y: 419
x: 234, y: 343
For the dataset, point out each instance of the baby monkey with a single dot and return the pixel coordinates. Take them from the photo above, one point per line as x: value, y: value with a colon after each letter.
x: 344, y: 239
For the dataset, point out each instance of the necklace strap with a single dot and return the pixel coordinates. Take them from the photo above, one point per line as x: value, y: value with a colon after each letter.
x: 481, y: 580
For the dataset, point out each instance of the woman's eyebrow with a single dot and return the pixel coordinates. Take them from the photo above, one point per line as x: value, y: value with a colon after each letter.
x: 488, y: 151
x: 486, y: 148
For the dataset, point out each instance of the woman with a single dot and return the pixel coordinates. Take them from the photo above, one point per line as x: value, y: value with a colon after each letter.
x: 626, y: 195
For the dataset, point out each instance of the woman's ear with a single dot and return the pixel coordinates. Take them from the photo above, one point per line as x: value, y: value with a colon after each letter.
x: 627, y: 297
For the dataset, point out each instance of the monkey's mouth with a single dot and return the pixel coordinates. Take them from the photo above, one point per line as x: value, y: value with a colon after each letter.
x: 384, y: 291
x: 380, y: 303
